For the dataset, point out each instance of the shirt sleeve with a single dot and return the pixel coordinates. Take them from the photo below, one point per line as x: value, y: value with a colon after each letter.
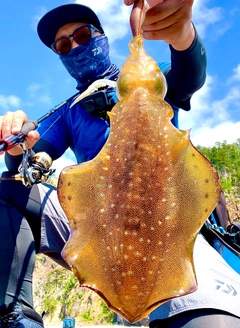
x: 12, y: 162
x: 186, y: 74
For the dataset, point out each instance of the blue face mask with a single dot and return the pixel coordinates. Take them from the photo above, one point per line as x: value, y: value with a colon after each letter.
x: 90, y: 62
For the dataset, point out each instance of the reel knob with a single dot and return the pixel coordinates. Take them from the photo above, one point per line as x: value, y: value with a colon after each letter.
x: 42, y: 159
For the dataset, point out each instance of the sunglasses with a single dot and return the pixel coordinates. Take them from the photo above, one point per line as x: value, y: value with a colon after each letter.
x: 81, y: 35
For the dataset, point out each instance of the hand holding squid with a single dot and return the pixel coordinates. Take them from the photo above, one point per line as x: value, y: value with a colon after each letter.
x: 168, y: 20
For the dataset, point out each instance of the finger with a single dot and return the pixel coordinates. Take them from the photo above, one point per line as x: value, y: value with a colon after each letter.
x: 179, y: 17
x: 158, y: 13
x: 6, y: 124
x: 167, y: 8
x: 137, y: 17
x: 19, y: 118
x: 150, y: 2
x: 154, y: 2
x: 129, y: 2
x: 169, y: 34
x: 32, y: 138
x: 12, y: 122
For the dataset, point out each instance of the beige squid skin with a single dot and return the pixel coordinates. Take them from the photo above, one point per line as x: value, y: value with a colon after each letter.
x: 136, y: 208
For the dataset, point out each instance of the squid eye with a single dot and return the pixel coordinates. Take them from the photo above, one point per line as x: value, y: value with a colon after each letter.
x: 160, y: 85
x: 124, y: 86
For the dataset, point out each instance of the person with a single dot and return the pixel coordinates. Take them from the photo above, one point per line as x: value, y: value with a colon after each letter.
x: 31, y: 219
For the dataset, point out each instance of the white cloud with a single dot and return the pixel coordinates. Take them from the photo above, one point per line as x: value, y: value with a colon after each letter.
x: 114, y: 17
x: 38, y: 92
x: 236, y: 75
x: 9, y: 102
x: 35, y: 19
x: 33, y: 89
x: 200, y: 107
x: 208, y: 136
x: 66, y: 160
x: 213, y: 120
x: 204, y: 16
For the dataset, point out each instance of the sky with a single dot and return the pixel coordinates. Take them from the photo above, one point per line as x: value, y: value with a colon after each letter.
x: 34, y: 80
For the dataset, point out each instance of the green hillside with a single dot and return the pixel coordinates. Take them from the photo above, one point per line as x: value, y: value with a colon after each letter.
x: 226, y: 159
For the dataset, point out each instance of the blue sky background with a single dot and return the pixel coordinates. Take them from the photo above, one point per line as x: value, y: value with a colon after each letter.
x: 34, y: 80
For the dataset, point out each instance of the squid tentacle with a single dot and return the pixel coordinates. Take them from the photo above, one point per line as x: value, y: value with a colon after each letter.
x: 137, y: 16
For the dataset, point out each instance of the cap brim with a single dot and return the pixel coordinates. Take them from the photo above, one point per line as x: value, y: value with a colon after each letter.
x: 51, y: 22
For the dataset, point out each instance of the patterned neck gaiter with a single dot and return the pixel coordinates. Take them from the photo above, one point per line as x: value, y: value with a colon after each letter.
x: 90, y: 62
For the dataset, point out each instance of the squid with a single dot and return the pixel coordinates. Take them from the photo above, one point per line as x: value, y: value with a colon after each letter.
x: 136, y: 208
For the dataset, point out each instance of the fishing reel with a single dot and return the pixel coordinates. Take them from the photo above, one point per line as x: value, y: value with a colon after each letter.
x: 34, y: 168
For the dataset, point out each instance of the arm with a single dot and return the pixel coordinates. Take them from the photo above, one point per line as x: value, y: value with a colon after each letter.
x: 187, y: 73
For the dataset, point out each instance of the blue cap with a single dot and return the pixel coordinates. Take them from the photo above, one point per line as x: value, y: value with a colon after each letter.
x: 52, y: 21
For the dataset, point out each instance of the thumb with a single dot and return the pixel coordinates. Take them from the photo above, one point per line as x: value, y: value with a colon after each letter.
x: 32, y: 138
x: 153, y: 3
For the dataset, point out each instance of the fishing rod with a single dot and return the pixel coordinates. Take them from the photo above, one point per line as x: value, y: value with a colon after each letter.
x: 10, y: 141
x: 34, y: 168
